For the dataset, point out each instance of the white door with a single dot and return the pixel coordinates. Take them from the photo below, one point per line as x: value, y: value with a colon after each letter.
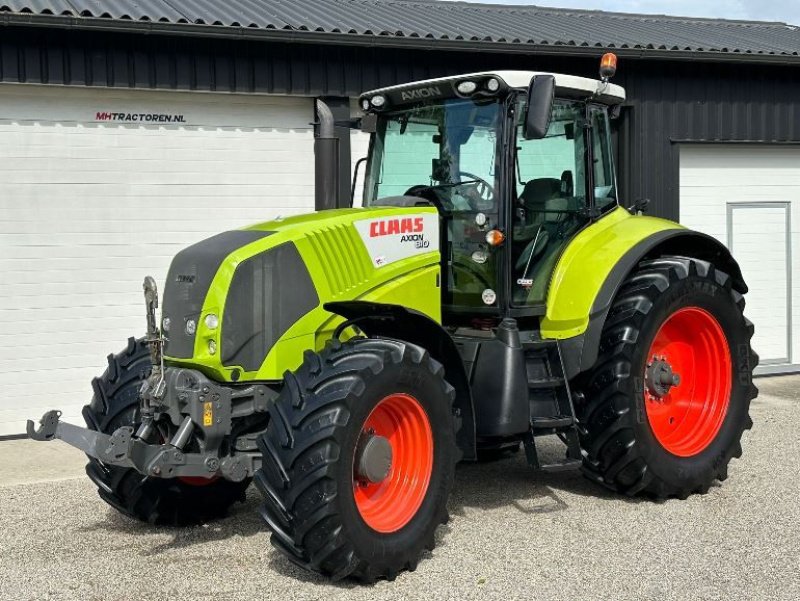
x: 748, y: 197
x: 759, y: 236
x: 99, y: 188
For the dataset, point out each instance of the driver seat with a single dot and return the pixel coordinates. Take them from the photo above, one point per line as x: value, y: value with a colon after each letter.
x: 534, y: 198
x: 535, y: 195
x: 557, y: 208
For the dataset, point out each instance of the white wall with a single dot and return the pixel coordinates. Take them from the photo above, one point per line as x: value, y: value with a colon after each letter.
x: 88, y: 208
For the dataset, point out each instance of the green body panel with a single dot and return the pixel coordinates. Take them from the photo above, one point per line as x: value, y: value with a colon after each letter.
x: 586, y: 263
x: 341, y: 269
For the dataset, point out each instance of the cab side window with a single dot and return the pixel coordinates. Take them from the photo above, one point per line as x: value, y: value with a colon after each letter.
x: 550, y: 171
x: 605, y: 185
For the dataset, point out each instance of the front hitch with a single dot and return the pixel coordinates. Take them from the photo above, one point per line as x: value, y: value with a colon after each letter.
x: 47, y: 427
x: 113, y: 449
x: 190, y: 401
x: 153, y: 388
x: 123, y: 449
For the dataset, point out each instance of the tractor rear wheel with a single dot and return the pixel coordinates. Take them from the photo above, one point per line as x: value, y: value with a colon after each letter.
x: 359, y: 459
x: 173, y: 502
x: 667, y: 402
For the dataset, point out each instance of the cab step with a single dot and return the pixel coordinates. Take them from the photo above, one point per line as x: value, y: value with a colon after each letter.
x: 544, y: 383
x: 552, y: 411
x: 555, y: 422
x: 538, y: 345
x: 568, y: 465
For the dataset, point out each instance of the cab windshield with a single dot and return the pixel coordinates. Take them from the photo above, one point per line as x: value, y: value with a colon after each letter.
x: 445, y: 155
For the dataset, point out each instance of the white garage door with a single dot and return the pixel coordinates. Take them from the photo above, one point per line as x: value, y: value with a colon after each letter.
x: 748, y: 197
x: 99, y: 188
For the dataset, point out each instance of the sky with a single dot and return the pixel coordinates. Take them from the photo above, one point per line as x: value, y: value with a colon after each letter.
x: 787, y: 11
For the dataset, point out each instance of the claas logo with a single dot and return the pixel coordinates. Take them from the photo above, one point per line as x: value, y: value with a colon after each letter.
x: 387, y: 227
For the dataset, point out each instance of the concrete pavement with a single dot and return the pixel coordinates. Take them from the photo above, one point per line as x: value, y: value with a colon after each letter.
x: 513, y: 534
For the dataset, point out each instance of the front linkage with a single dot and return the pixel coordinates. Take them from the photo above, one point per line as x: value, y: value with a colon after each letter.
x: 198, y: 407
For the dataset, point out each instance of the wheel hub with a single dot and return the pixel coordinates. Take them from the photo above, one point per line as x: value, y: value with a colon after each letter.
x: 374, y: 458
x: 660, y: 378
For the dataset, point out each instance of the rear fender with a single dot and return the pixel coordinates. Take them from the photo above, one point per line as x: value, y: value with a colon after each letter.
x: 582, y: 351
x: 400, y: 323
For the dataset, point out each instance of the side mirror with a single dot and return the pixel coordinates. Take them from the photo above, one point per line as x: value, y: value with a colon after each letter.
x: 540, y: 107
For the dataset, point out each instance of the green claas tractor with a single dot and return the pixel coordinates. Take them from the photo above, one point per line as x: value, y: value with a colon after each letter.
x: 491, y: 291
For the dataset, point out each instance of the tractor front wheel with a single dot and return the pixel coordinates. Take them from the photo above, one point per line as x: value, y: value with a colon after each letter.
x: 359, y: 459
x: 667, y: 402
x: 162, y: 501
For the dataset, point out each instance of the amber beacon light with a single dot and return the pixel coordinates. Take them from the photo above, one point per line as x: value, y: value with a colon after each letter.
x: 608, y: 66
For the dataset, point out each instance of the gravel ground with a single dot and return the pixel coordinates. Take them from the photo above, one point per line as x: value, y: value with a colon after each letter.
x: 513, y: 535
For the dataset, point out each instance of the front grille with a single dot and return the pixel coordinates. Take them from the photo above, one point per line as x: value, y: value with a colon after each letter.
x: 268, y: 294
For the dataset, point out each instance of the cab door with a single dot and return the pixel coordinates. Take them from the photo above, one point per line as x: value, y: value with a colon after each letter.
x: 550, y: 200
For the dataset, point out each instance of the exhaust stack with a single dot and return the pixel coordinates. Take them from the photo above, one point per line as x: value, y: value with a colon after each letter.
x: 326, y: 160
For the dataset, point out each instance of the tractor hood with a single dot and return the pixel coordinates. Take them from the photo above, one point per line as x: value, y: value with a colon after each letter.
x: 188, y: 281
x: 229, y: 300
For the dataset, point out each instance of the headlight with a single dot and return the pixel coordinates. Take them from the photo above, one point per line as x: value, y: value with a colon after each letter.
x: 212, y: 347
x: 191, y: 327
x: 492, y: 85
x: 212, y: 321
x: 480, y: 257
x: 378, y: 101
x: 467, y: 87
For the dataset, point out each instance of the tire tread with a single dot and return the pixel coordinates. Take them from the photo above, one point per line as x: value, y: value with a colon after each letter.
x: 607, y: 432
x: 156, y: 501
x: 312, y: 409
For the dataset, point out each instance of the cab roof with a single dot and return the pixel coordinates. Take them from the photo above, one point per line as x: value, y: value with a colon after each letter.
x: 566, y: 85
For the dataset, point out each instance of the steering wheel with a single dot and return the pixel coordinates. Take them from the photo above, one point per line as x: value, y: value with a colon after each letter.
x: 478, y: 192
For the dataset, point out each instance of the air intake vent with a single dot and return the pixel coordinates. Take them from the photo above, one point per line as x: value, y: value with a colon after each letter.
x: 268, y: 294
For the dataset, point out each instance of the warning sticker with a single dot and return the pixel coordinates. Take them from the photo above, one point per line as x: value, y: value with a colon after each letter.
x: 392, y: 239
x: 208, y: 414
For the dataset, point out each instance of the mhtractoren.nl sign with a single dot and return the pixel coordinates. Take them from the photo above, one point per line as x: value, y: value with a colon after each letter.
x: 140, y: 117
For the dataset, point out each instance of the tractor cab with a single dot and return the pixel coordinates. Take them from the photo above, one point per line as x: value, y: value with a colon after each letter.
x: 516, y: 163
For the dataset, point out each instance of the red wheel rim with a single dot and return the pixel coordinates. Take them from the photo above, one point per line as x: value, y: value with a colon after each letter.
x: 687, y: 418
x: 197, y: 480
x: 389, y: 505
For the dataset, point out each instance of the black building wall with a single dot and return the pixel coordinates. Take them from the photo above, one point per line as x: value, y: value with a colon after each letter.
x: 669, y: 101
x: 674, y: 102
